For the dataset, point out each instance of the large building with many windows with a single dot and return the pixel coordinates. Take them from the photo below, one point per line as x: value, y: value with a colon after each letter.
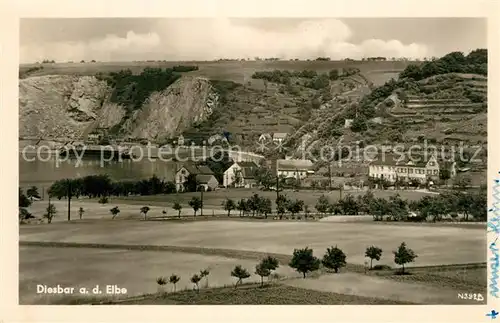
x: 392, y: 167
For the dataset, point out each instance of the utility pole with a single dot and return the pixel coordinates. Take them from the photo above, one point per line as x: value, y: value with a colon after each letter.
x: 202, y: 189
x: 277, y: 187
x: 330, y: 174
x: 69, y: 200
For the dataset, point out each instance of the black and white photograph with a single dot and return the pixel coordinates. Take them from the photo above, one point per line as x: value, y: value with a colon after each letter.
x: 254, y: 161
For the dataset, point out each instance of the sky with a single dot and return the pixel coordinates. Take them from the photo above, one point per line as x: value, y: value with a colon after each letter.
x: 128, y: 39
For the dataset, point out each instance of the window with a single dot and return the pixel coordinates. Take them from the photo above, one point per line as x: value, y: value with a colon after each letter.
x: 435, y: 172
x: 410, y: 170
x: 431, y: 163
x: 429, y: 172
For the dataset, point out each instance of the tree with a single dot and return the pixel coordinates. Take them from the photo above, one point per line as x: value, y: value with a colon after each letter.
x: 145, y: 210
x: 478, y: 207
x: 240, y: 273
x: 444, y: 174
x: 333, y: 74
x: 242, y: 206
x: 266, y: 207
x: 295, y: 207
x: 378, y: 208
x: 359, y: 125
x: 254, y: 203
x: 264, y: 177
x: 195, y: 279
x: 322, y: 204
x: 229, y: 205
x: 32, y: 192
x: 24, y: 215
x: 80, y: 212
x: 50, y: 212
x: 191, y: 184
x: 178, y: 207
x: 174, y: 279
x: 161, y: 281
x: 403, y: 256
x: 462, y: 183
x: 195, y: 203
x: 334, y: 258
x: 23, y: 200
x: 307, y: 211
x: 281, y: 204
x: 373, y: 253
x: 114, y: 211
x: 303, y: 261
x: 237, y: 178
x: 262, y: 271
x: 349, y: 205
x: 271, y: 262
x: 204, y: 273
x: 398, y: 208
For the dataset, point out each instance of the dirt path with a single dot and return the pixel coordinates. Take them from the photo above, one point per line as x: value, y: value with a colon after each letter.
x: 369, y: 286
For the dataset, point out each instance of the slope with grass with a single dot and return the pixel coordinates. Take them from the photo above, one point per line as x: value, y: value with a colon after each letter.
x: 66, y: 101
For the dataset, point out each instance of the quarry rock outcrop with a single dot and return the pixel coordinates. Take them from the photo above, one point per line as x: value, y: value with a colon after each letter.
x: 69, y: 107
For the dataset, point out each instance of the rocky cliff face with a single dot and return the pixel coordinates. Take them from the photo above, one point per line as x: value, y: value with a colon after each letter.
x: 59, y: 106
x: 69, y: 107
x: 171, y: 111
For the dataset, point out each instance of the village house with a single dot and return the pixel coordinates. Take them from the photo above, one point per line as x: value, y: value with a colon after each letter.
x: 240, y: 174
x: 217, y: 139
x: 180, y: 140
x: 392, y: 167
x: 265, y: 137
x: 294, y: 168
x: 204, y: 175
x: 279, y: 137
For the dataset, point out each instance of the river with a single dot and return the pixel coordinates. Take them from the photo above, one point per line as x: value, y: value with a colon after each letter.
x: 43, y: 173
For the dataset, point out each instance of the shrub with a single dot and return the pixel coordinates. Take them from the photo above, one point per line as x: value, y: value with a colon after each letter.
x: 51, y: 212
x: 103, y: 200
x: 381, y: 267
x: 114, y: 211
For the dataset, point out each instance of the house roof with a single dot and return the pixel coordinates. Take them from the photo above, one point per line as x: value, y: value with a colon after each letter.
x: 248, y: 172
x: 243, y: 164
x: 247, y: 164
x: 204, y: 179
x: 294, y: 164
x: 416, y: 160
x: 197, y: 170
x: 280, y: 135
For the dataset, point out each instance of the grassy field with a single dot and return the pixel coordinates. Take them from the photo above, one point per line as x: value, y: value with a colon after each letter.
x: 130, y: 206
x: 276, y: 294
x: 433, y: 245
x: 237, y: 71
x: 214, y: 199
x: 132, y: 254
